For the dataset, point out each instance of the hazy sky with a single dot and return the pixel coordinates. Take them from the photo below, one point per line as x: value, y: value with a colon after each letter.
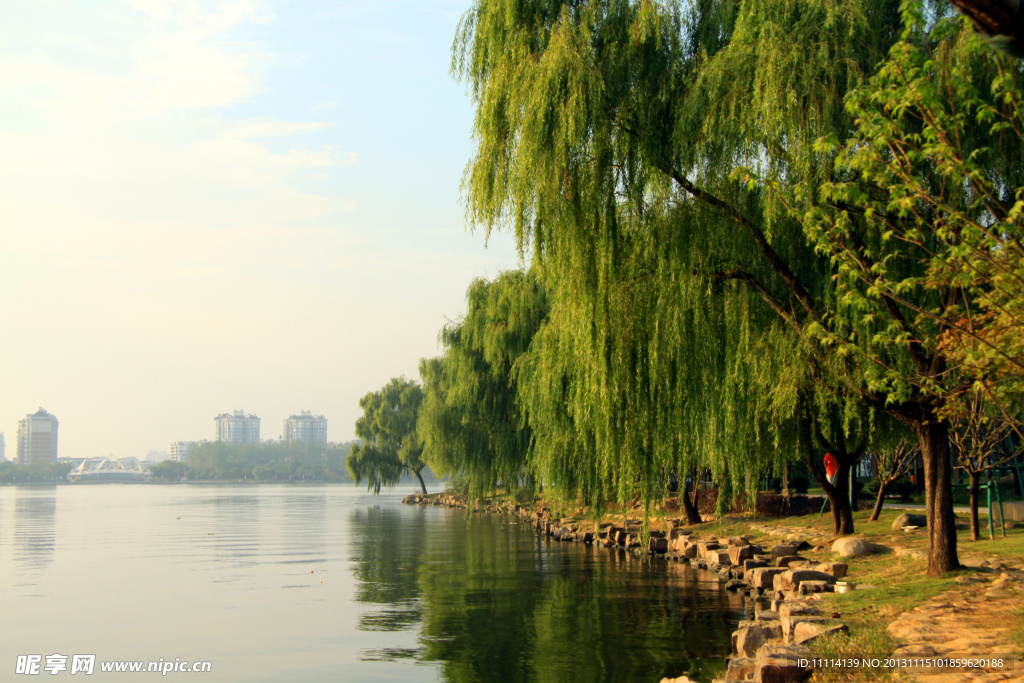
x: 209, y: 206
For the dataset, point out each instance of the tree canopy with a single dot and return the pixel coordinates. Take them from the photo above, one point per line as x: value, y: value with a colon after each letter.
x: 703, y: 188
x: 390, y: 444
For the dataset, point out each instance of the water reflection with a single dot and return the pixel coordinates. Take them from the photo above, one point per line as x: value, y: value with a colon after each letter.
x: 493, y: 602
x: 388, y: 544
x: 35, y: 515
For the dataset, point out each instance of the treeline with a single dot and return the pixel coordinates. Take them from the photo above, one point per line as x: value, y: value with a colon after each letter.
x: 758, y: 232
x: 13, y: 473
x: 272, y: 461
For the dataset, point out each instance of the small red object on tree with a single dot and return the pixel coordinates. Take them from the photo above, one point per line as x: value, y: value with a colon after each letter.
x: 831, y: 466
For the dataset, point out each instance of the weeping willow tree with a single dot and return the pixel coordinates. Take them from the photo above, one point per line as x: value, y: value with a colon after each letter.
x: 390, y: 443
x: 471, y: 423
x: 619, y: 141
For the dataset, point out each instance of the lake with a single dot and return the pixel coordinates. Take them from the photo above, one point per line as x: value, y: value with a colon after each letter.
x: 328, y: 583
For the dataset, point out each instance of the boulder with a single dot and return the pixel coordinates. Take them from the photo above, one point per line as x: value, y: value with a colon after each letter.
x: 836, y: 570
x: 717, y: 557
x: 658, y: 545
x: 787, y: 560
x: 850, y: 546
x: 791, y: 579
x: 782, y: 664
x: 753, y: 564
x: 908, y: 519
x: 752, y: 635
x: 704, y: 547
x: 810, y: 587
x: 735, y: 585
x: 783, y: 550
x: 762, y: 577
x: 806, y: 631
x: 738, y: 553
x: 740, y: 669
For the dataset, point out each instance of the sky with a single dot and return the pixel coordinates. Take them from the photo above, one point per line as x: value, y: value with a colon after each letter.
x: 217, y: 206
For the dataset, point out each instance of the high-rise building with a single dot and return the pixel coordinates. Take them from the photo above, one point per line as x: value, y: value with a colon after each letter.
x: 3, y: 448
x: 37, y: 438
x: 306, y: 427
x: 237, y: 427
x: 179, y: 450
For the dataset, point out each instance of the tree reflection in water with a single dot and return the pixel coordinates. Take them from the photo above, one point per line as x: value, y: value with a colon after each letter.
x: 494, y: 602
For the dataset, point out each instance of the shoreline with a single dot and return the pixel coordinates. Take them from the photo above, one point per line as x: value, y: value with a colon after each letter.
x: 818, y: 601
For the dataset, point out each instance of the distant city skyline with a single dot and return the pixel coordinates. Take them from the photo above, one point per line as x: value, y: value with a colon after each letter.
x: 234, y: 204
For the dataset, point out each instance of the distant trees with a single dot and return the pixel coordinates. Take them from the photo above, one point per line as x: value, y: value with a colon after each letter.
x: 268, y: 461
x: 390, y: 443
x: 13, y: 473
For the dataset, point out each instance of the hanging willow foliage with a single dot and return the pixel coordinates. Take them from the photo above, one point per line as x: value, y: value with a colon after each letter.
x: 609, y: 136
x: 470, y: 421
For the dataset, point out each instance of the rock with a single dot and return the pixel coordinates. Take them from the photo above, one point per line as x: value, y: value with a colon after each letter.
x: 735, y: 585
x: 786, y: 560
x: 806, y: 631
x: 850, y: 546
x: 738, y: 540
x: 738, y: 553
x: 836, y: 570
x: 810, y: 587
x: 718, y: 557
x: 753, y: 564
x: 762, y: 577
x: 782, y: 664
x: 791, y: 579
x: 658, y: 545
x: 907, y: 519
x: 783, y: 550
x: 704, y: 547
x: 752, y: 635
x: 740, y: 669
x: 680, y: 679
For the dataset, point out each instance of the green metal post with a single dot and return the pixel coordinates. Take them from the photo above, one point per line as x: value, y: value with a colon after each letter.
x: 991, y: 528
x: 999, y: 498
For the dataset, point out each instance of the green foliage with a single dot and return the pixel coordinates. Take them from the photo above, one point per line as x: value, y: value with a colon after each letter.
x: 168, y: 470
x: 269, y: 461
x: 390, y: 444
x: 13, y: 473
x: 923, y: 221
x: 471, y: 422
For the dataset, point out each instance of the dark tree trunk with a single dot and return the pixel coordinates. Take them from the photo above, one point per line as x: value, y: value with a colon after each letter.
x: 837, y: 492
x: 842, y: 511
x: 933, y: 438
x: 974, y: 504
x: 423, y: 486
x: 882, y: 490
x: 690, y: 502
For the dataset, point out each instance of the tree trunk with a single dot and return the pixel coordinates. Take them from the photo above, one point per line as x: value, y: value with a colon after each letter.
x: 933, y: 438
x: 423, y: 486
x: 837, y: 492
x: 838, y: 496
x: 882, y: 489
x: 974, y: 505
x: 690, y: 504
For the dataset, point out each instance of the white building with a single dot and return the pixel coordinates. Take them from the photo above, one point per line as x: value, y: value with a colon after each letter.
x: 37, y: 438
x: 179, y: 449
x: 237, y: 427
x: 306, y: 427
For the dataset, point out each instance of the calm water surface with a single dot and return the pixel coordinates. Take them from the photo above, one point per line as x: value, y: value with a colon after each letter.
x: 327, y: 583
